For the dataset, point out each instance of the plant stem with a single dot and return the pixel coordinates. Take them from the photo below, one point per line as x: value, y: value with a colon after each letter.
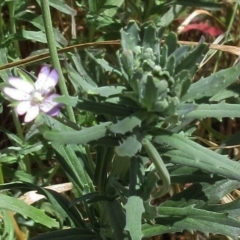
x: 53, y: 53
x: 17, y: 125
x: 11, y: 8
x: 1, y: 175
x: 92, y: 30
x: 1, y: 24
x: 25, y: 162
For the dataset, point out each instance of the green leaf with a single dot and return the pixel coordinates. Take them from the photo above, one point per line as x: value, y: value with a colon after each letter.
x: 184, y: 174
x: 103, y: 63
x: 107, y: 91
x: 229, y: 92
x: 37, y: 21
x: 8, y: 232
x: 3, y: 60
x: 219, y: 111
x: 150, y: 92
x: 67, y: 100
x: 128, y: 123
x: 134, y: 210
x: 150, y: 40
x: 164, y: 55
x: 81, y: 69
x: 179, y: 54
x: 177, y: 219
x: 167, y: 18
x: 18, y: 175
x: 67, y: 234
x: 130, y: 145
x: 171, y: 42
x: 160, y: 167
x: 104, y: 158
x: 136, y: 176
x: 191, y: 60
x: 90, y: 198
x: 61, y: 6
x: 117, y: 219
x: 231, y: 208
x: 197, y: 156
x: 200, y: 194
x: 72, y: 157
x: 120, y: 167
x: 129, y: 36
x: 210, y: 86
x: 78, y: 80
x: 112, y: 7
x: 16, y: 205
x: 72, y: 165
x: 105, y: 108
x: 170, y: 65
x: 38, y: 36
x: 83, y: 136
x: 61, y: 204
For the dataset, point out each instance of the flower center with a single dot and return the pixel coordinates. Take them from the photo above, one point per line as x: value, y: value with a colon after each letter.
x: 37, y: 97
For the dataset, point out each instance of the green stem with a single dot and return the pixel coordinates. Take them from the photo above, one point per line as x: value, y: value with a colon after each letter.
x: 25, y: 162
x: 53, y: 53
x: 1, y: 175
x: 17, y: 125
x: 1, y: 24
x: 52, y: 173
x: 230, y: 26
x: 233, y: 17
x: 11, y: 8
x: 92, y: 31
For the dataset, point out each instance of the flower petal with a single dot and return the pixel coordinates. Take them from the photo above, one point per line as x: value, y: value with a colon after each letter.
x: 49, y: 103
x: 32, y: 113
x: 42, y: 77
x: 16, y: 94
x: 51, y: 82
x: 54, y: 112
x: 21, y: 84
x: 46, y: 84
x: 23, y: 107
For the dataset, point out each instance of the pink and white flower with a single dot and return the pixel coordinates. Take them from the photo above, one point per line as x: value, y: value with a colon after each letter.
x: 37, y: 97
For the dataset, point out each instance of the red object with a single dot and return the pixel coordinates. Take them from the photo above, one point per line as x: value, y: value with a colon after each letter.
x: 203, y: 27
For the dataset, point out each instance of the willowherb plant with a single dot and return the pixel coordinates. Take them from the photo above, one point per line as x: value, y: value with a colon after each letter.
x: 144, y: 105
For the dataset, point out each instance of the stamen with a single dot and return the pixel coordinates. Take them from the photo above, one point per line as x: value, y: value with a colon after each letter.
x: 37, y: 97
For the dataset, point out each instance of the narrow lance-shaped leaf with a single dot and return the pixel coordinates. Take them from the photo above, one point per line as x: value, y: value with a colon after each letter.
x: 199, y: 156
x: 219, y: 111
x: 128, y: 123
x: 209, y: 86
x: 78, y: 137
x: 19, y: 206
x: 189, y: 218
